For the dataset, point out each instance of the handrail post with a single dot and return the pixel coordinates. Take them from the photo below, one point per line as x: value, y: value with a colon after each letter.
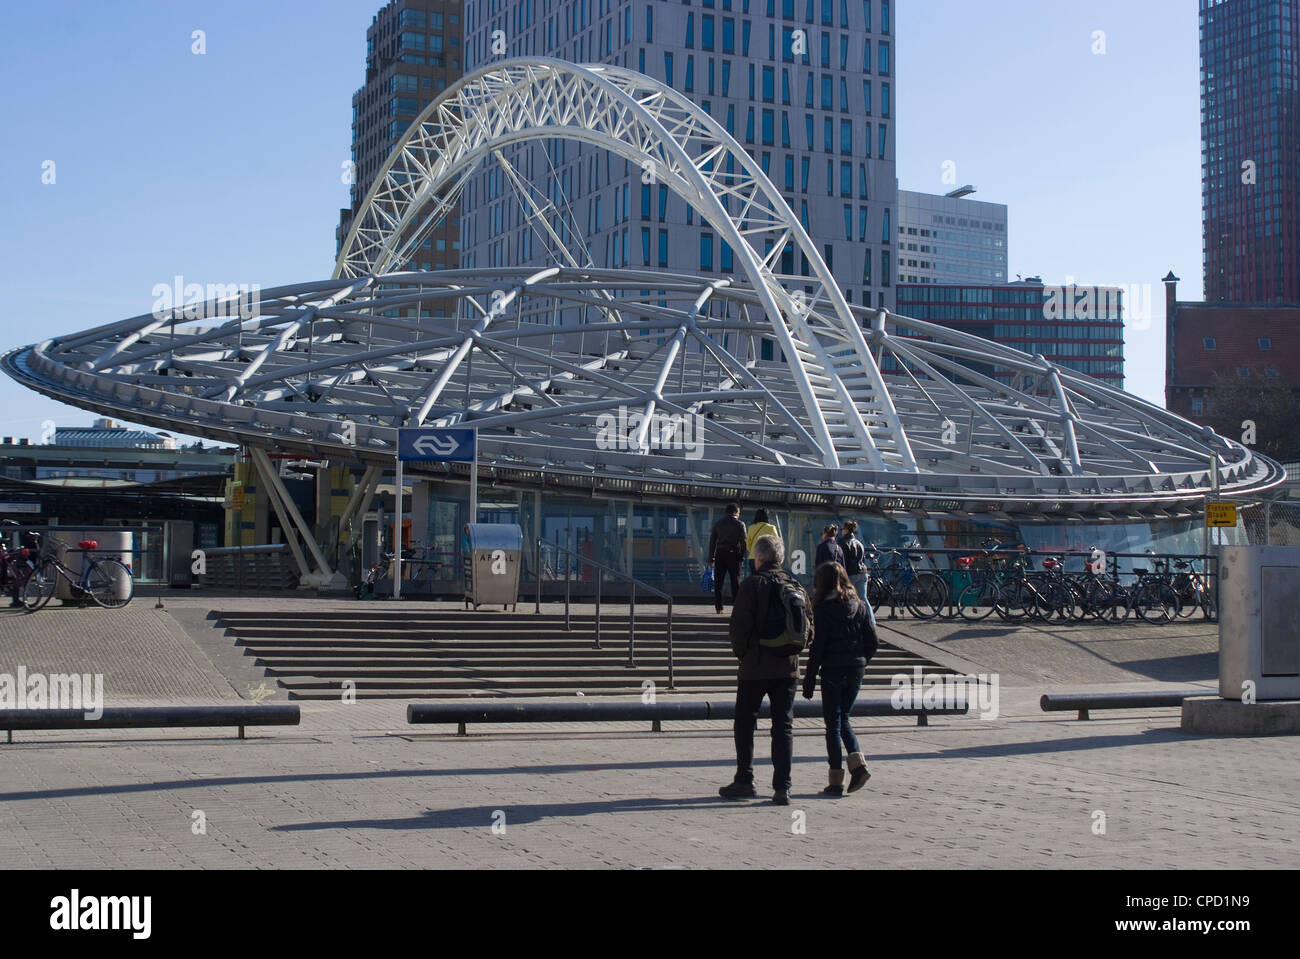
x: 599, y: 577
x: 568, y: 580
x: 670, y: 642
x: 631, y: 630
x: 537, y: 569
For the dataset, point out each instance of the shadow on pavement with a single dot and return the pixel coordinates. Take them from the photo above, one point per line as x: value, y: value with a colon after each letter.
x: 724, y: 761
x: 515, y: 814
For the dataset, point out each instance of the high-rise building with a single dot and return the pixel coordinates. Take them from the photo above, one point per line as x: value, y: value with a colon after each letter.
x: 413, y: 53
x: 807, y: 87
x: 1078, y: 327
x: 950, y: 239
x: 1250, y: 150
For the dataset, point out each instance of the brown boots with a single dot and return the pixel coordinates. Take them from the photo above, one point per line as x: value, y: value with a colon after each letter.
x: 836, y: 787
x: 858, y: 774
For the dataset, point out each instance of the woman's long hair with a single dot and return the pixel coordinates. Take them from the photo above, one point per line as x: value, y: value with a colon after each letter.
x: 832, y: 582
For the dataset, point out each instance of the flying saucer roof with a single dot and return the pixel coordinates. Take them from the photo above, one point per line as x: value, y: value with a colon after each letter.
x: 634, y: 382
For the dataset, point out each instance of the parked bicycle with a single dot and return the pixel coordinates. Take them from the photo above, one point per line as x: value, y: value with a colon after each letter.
x: 924, y: 594
x: 107, y: 581
x: 16, y: 565
x: 1153, y: 597
x: 1194, y: 591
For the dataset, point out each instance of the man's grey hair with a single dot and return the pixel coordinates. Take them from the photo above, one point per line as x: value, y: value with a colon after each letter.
x: 769, y: 550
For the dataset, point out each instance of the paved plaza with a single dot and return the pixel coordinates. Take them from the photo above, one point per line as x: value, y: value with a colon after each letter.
x: 355, y: 787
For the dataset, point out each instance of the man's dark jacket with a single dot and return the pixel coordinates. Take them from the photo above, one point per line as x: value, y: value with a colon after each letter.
x: 728, y: 533
x: 758, y: 614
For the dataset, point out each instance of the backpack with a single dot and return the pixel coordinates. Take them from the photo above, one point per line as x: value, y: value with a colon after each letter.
x: 797, y: 621
x: 854, y: 556
x: 870, y: 641
x: 854, y: 637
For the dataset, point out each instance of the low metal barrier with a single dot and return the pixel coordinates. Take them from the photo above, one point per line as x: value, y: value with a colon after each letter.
x: 656, y: 713
x: 1085, y: 702
x: 152, y: 717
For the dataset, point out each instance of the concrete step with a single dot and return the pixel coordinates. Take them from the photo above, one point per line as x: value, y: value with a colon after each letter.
x: 506, y: 657
x: 448, y: 654
x: 579, y: 674
x: 521, y: 632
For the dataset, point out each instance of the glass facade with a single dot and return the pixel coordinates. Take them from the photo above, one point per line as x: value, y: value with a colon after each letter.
x: 1078, y: 327
x: 664, y: 544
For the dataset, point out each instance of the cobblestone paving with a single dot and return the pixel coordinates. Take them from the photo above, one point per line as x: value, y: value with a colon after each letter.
x: 355, y: 787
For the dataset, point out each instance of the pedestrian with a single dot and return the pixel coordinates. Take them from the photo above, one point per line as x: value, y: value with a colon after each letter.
x: 760, y: 527
x: 770, y: 626
x: 828, y: 551
x: 843, y: 643
x: 855, y: 558
x: 726, y: 550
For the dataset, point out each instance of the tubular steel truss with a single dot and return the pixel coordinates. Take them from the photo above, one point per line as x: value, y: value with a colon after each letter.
x: 629, y: 381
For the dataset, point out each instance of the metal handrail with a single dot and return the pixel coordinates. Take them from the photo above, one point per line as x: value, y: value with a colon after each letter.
x: 601, y: 570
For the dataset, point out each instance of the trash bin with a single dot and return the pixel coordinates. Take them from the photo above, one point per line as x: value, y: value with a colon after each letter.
x: 1259, y: 621
x: 493, y: 553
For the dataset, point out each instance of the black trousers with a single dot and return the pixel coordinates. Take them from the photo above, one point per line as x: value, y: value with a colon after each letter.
x: 749, y: 699
x: 726, y: 562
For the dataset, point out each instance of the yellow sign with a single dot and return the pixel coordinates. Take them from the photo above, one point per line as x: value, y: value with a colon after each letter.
x: 1221, y: 515
x: 237, y: 498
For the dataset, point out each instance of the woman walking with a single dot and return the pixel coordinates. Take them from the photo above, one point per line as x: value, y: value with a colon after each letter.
x: 844, y: 641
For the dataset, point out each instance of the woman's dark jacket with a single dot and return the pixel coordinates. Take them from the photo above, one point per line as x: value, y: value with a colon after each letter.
x: 843, y: 640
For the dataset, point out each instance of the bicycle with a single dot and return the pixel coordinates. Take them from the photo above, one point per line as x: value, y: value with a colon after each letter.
x: 1152, y: 597
x: 1061, y: 596
x: 978, y: 598
x: 16, y: 565
x: 920, y: 592
x: 1104, y: 597
x: 1193, y: 589
x: 108, y: 582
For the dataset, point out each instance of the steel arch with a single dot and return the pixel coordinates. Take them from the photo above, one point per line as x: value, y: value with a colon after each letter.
x: 637, y: 117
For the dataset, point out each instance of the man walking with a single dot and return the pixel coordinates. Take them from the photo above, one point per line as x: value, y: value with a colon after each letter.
x: 828, y: 551
x: 767, y: 636
x: 726, y: 550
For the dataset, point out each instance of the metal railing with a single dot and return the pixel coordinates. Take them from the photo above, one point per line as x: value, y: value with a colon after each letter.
x: 601, y: 569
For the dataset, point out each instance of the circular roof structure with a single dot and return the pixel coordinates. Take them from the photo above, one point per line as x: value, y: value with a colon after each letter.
x: 639, y: 382
x: 631, y: 381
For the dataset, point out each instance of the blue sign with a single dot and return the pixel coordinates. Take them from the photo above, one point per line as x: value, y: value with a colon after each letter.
x: 435, y: 444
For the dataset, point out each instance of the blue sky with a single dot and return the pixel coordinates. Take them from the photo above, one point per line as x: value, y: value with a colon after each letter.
x: 226, y: 167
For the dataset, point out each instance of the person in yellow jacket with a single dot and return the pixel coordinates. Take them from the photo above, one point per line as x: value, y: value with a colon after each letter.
x: 760, y: 527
